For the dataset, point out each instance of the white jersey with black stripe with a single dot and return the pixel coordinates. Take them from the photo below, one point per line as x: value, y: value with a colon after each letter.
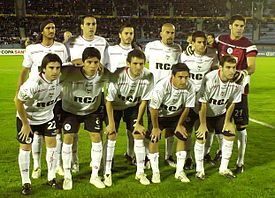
x: 218, y: 94
x: 117, y: 56
x: 169, y: 100
x: 35, y: 53
x: 128, y: 92
x: 198, y: 65
x: 78, y: 44
x: 39, y: 96
x: 161, y: 58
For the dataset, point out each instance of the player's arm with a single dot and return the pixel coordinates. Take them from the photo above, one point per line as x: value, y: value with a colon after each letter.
x: 200, y: 133
x: 228, y: 124
x: 180, y: 127
x: 111, y: 122
x: 251, y: 65
x: 155, y: 135
x: 139, y: 123
x: 26, y: 129
x: 22, y: 78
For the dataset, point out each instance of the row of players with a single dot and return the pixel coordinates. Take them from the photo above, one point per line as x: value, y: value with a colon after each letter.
x: 161, y: 55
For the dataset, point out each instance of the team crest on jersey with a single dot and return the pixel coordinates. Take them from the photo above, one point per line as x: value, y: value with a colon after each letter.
x: 29, y: 140
x: 67, y: 127
x: 229, y: 50
x: 222, y: 93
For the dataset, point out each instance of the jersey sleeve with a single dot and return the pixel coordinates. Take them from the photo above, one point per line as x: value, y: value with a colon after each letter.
x: 27, y: 62
x: 148, y: 90
x: 204, y: 91
x: 112, y: 92
x: 26, y: 91
x: 191, y: 99
x: 156, y: 98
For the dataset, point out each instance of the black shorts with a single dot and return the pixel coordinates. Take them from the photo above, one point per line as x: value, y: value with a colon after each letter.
x: 129, y: 116
x: 46, y: 129
x: 57, y: 114
x: 240, y: 113
x: 92, y: 122
x: 190, y: 120
x: 215, y: 123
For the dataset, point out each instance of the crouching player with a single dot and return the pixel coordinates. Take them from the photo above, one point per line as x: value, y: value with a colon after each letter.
x: 170, y: 101
x: 34, y: 103
x: 218, y: 96
x: 127, y: 99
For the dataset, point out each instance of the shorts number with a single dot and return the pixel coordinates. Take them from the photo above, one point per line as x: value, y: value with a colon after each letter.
x: 51, y: 125
x: 238, y: 112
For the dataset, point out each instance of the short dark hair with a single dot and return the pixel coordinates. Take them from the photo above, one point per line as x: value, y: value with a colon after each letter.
x: 135, y: 53
x: 198, y: 34
x: 227, y: 58
x: 211, y: 34
x: 44, y: 23
x: 235, y: 18
x: 90, y: 52
x: 84, y: 17
x: 50, y: 58
x: 179, y: 67
x: 126, y: 25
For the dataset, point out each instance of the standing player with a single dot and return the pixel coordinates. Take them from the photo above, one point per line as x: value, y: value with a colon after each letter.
x: 161, y: 55
x: 170, y: 101
x: 31, y: 64
x: 218, y: 96
x: 34, y: 103
x: 245, y: 53
x: 200, y: 62
x: 76, y: 47
x: 66, y: 36
x: 127, y: 98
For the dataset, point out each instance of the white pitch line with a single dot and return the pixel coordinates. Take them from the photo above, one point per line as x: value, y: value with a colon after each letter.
x: 262, y: 123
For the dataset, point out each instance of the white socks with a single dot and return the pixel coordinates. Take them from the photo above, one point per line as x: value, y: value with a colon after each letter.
x: 109, y: 155
x: 24, y: 165
x: 139, y: 149
x: 227, y: 147
x: 154, y: 160
x: 58, y: 149
x: 67, y: 160
x: 242, y: 140
x: 181, y: 156
x: 96, y: 155
x: 130, y: 143
x: 220, y: 139
x: 169, y: 146
x: 199, y: 155
x: 209, y: 142
x: 37, y: 150
x: 75, y: 149
x: 51, y: 158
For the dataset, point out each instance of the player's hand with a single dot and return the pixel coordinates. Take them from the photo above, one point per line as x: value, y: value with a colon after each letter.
x: 77, y: 62
x: 182, y: 132
x: 25, y: 132
x: 229, y: 126
x: 200, y: 133
x: 100, y: 69
x: 139, y: 129
x: 110, y: 129
x: 239, y: 76
x: 155, y: 134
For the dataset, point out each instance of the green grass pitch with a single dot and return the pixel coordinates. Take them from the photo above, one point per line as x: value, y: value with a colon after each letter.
x: 258, y: 180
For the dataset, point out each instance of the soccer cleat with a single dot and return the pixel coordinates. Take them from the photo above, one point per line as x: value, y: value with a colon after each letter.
x: 26, y: 189
x: 96, y: 181
x: 147, y: 164
x: 108, y: 180
x: 130, y: 160
x: 67, y: 184
x: 170, y: 161
x: 142, y: 179
x: 239, y: 169
x: 208, y: 159
x: 156, y: 178
x: 218, y: 156
x: 53, y: 183
x: 200, y: 175
x: 36, y: 173
x: 75, y: 168
x: 227, y: 173
x: 188, y: 164
x: 59, y: 170
x: 182, y: 177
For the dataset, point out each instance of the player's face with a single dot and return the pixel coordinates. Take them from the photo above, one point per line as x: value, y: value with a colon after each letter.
x: 210, y: 39
x: 228, y: 71
x: 136, y: 66
x: 200, y: 45
x: 67, y: 36
x: 52, y: 71
x: 168, y: 35
x: 237, y: 29
x: 91, y: 65
x: 127, y: 36
x: 49, y: 31
x: 180, y: 80
x: 89, y: 27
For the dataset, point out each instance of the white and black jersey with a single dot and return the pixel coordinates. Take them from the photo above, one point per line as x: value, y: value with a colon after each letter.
x: 117, y: 56
x: 128, y: 92
x: 161, y: 58
x: 77, y: 45
x: 35, y: 53
x: 169, y: 100
x: 218, y: 94
x: 39, y: 96
x: 198, y: 65
x: 81, y: 95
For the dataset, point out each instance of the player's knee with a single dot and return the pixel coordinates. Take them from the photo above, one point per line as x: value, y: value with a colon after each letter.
x: 228, y: 135
x: 138, y: 136
x: 50, y: 141
x: 26, y: 147
x: 180, y: 136
x: 68, y: 138
x: 95, y: 137
x: 241, y: 127
x: 112, y: 136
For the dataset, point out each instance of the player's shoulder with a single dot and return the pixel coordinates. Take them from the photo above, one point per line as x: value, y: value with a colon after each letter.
x: 100, y: 38
x: 33, y: 47
x: 176, y: 47
x: 147, y: 73
x: 153, y: 44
